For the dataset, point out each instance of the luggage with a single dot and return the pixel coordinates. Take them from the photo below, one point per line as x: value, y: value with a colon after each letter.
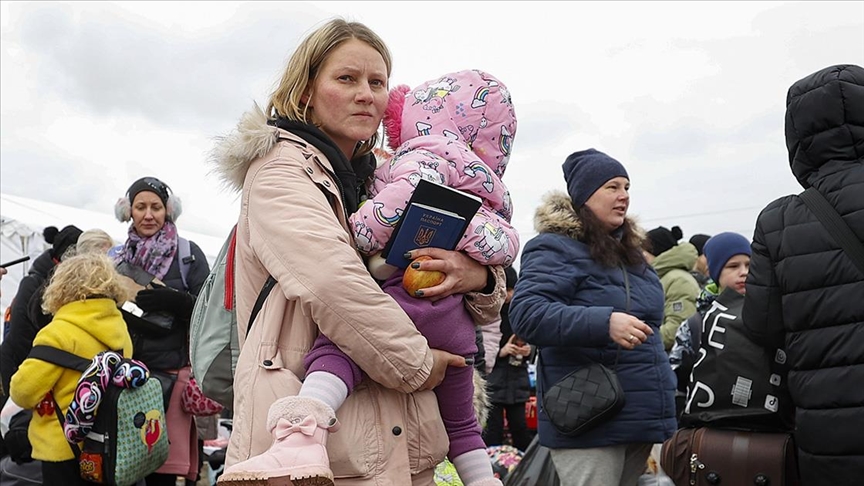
x: 708, y: 456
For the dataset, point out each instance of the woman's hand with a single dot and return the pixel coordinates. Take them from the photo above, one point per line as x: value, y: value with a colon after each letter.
x: 513, y: 349
x: 462, y: 273
x: 440, y: 361
x: 627, y: 330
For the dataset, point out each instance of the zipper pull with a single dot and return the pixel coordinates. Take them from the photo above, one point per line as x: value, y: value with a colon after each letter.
x: 695, y: 464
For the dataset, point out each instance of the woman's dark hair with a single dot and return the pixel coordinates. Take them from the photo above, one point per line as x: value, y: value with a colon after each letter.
x: 606, y: 249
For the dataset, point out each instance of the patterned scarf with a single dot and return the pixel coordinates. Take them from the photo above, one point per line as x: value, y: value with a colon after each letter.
x: 153, y: 254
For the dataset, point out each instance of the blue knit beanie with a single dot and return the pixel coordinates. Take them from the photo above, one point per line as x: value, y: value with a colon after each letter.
x: 720, y: 248
x: 587, y: 171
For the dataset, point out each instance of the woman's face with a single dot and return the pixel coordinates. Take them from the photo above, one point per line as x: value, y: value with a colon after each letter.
x: 734, y: 273
x: 349, y: 95
x: 148, y: 214
x: 610, y: 203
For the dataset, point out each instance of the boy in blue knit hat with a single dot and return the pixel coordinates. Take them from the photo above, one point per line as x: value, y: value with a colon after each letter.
x: 735, y: 383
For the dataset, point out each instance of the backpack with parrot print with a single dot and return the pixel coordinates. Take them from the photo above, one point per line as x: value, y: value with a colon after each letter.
x: 117, y: 416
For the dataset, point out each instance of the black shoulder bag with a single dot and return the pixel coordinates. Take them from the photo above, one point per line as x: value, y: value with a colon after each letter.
x: 837, y: 228
x: 586, y: 397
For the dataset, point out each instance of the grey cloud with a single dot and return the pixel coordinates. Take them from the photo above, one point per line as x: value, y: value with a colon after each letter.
x: 112, y: 64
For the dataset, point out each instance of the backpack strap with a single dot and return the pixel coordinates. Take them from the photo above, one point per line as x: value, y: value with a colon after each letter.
x: 186, y: 259
x: 837, y: 228
x: 228, y: 300
x: 63, y: 359
x: 259, y: 303
x: 59, y: 357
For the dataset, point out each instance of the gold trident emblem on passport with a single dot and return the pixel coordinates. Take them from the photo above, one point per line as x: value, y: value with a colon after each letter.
x: 424, y: 235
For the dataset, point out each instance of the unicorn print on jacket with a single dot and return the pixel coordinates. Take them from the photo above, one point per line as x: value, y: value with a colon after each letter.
x: 458, y: 132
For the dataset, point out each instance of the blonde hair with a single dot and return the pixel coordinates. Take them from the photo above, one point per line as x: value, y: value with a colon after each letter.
x: 83, y: 276
x: 94, y: 241
x: 303, y: 67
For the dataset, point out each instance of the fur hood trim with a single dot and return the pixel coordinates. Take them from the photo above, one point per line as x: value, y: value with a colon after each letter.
x: 556, y: 215
x: 253, y: 138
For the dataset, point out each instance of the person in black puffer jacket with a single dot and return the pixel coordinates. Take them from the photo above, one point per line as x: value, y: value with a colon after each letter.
x: 24, y: 324
x: 508, y: 385
x: 803, y: 290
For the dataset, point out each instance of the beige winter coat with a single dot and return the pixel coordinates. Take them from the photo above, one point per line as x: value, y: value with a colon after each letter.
x: 292, y: 225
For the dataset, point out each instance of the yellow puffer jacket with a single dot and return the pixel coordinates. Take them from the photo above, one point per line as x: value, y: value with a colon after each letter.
x: 83, y: 328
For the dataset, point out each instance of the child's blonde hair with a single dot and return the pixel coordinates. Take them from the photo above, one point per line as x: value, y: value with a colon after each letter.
x: 80, y: 277
x: 94, y: 241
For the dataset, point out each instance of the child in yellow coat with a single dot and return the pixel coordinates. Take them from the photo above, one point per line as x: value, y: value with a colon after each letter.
x: 83, y: 295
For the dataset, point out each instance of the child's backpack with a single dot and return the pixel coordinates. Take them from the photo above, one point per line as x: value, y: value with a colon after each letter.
x: 213, y: 340
x: 121, y: 427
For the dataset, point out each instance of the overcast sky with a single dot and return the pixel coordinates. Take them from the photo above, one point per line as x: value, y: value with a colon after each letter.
x: 689, y: 96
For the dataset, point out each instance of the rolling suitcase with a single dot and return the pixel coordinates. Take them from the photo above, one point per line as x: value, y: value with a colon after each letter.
x: 708, y: 456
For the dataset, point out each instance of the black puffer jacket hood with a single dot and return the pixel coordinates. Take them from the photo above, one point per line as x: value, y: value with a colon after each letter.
x: 825, y: 123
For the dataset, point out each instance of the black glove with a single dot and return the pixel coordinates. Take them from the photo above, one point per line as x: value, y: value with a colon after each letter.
x: 166, y: 299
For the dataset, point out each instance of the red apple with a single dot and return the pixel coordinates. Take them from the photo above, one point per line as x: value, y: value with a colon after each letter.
x: 414, y: 280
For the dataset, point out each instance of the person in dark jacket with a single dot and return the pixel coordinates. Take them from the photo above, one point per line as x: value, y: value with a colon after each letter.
x: 508, y: 385
x: 586, y: 294
x: 155, y: 247
x: 26, y: 316
x: 804, y: 292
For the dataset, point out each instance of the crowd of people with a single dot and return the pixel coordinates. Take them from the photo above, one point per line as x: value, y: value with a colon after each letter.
x: 347, y: 378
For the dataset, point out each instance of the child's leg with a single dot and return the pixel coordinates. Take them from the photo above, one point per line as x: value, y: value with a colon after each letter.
x: 456, y: 402
x: 330, y: 374
x: 300, y: 424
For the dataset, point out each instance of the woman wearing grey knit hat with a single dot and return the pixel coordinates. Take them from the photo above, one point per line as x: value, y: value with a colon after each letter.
x: 586, y: 295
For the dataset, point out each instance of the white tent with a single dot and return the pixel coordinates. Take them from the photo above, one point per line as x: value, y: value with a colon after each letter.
x: 22, y: 221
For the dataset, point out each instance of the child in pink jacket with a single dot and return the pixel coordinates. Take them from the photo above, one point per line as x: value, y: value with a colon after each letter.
x: 456, y: 130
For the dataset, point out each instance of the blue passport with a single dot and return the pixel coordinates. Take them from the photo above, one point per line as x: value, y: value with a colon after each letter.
x: 421, y: 226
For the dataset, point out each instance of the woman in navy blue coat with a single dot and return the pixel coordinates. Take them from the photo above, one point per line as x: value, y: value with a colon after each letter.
x: 572, y: 303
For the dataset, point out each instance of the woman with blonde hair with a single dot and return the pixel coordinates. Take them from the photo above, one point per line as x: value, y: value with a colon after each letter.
x: 302, y: 168
x: 83, y: 295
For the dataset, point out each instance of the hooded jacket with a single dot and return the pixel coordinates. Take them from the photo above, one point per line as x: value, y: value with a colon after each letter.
x: 803, y: 289
x: 83, y: 328
x: 293, y: 226
x: 563, y: 303
x: 456, y: 131
x: 680, y: 289
x: 22, y: 326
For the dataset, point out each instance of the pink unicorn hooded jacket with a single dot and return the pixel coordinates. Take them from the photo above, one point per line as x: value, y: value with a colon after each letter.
x: 456, y: 130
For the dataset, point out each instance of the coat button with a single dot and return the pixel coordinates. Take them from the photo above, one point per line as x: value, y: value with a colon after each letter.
x: 267, y: 362
x: 309, y: 170
x: 397, y: 430
x: 326, y: 183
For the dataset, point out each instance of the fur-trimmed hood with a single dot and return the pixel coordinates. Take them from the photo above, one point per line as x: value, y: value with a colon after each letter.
x: 556, y: 215
x: 233, y: 153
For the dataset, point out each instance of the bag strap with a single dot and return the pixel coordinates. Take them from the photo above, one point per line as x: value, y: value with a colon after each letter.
x: 228, y: 300
x: 837, y: 228
x: 63, y: 359
x: 186, y: 259
x: 259, y: 303
x: 59, y: 357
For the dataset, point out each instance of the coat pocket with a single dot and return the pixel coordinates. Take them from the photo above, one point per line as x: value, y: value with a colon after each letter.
x: 355, y: 446
x: 427, y: 438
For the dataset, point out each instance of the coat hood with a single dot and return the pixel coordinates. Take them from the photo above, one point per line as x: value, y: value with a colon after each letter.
x: 556, y: 215
x: 469, y: 107
x: 825, y: 122
x: 681, y: 256
x: 233, y: 153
